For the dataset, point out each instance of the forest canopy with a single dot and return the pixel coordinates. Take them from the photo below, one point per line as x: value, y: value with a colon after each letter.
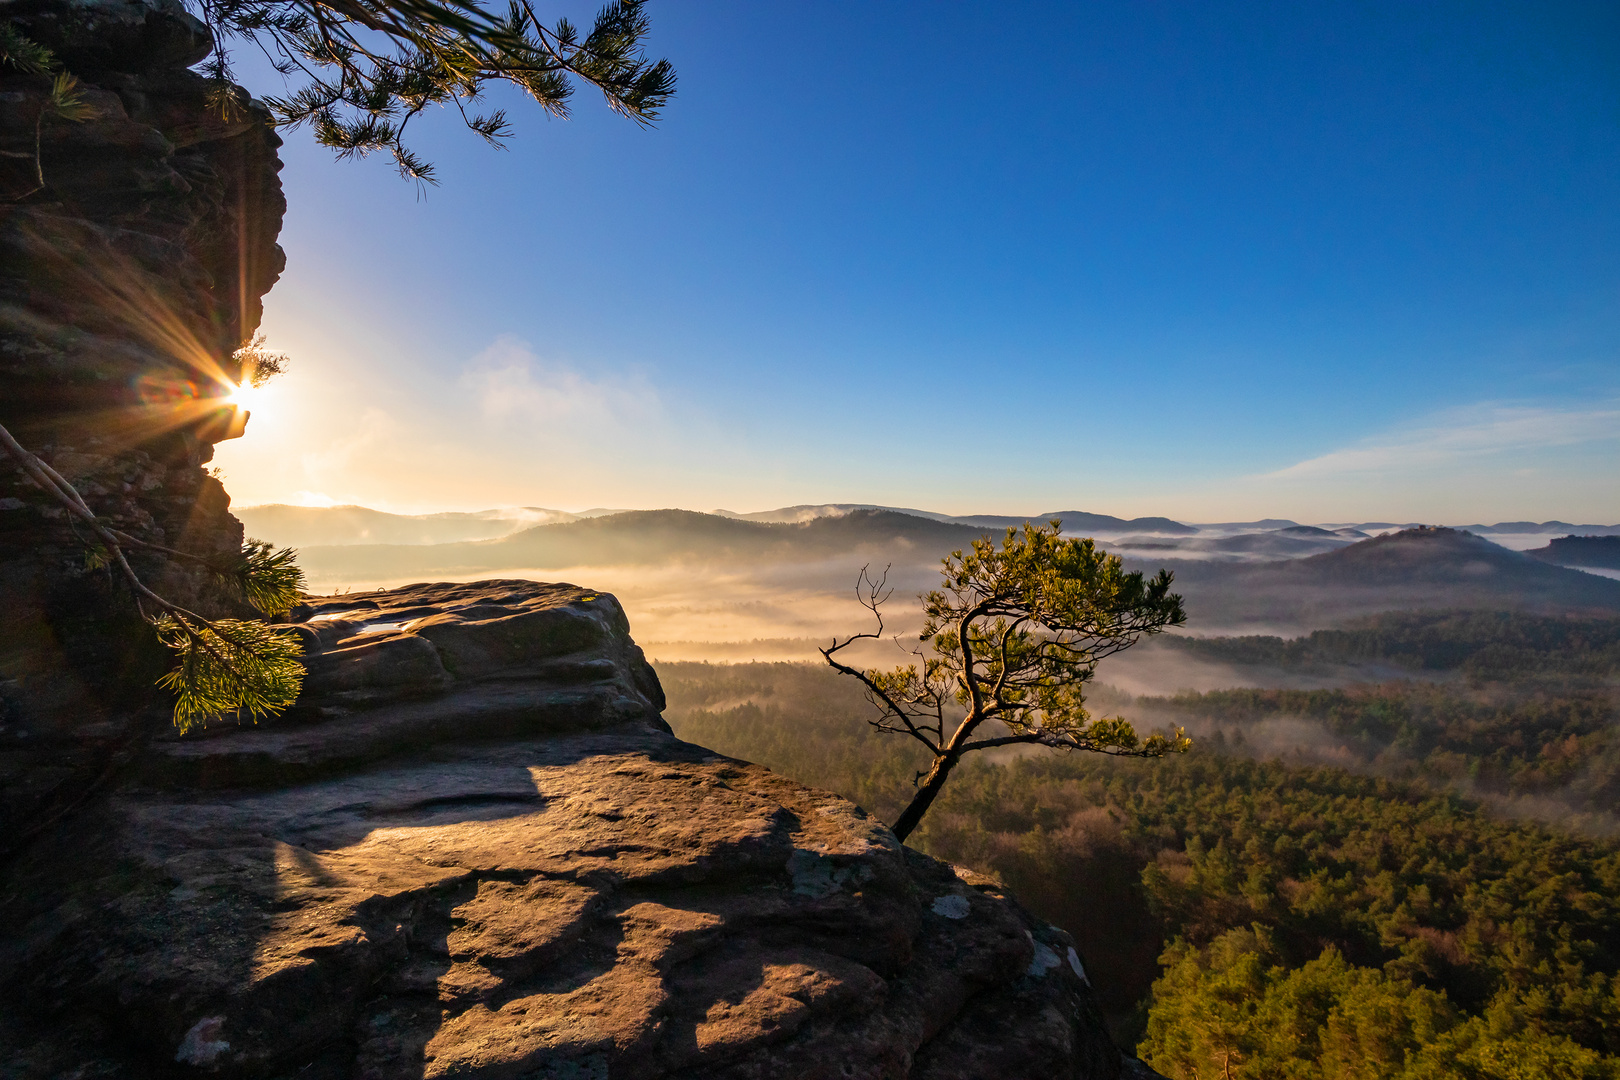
x: 1255, y: 915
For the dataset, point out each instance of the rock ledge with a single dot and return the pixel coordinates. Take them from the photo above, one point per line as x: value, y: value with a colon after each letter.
x: 478, y: 852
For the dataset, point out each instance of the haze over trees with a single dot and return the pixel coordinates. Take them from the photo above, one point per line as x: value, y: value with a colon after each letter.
x: 1249, y: 910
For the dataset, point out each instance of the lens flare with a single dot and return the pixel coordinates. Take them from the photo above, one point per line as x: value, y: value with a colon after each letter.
x: 245, y: 396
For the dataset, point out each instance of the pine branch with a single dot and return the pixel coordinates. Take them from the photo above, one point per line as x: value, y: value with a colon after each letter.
x: 369, y: 62
x: 225, y: 665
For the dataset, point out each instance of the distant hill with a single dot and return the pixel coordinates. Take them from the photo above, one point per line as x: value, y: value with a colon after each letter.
x: 306, y: 526
x: 312, y: 526
x: 1281, y: 544
x: 1080, y: 523
x: 1074, y: 521
x: 1244, y: 547
x: 655, y: 537
x: 794, y: 515
x: 1409, y: 570
x: 309, y: 526
x: 1263, y: 525
x: 1421, y: 568
x: 1512, y: 527
x: 323, y: 526
x: 1595, y: 551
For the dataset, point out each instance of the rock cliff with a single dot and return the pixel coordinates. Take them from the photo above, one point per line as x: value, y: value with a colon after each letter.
x: 476, y: 850
x: 127, y: 281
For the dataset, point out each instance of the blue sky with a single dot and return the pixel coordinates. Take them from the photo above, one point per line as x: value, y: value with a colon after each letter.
x: 1333, y: 261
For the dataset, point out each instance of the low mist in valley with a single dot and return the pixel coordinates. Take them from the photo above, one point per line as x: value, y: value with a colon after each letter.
x: 712, y: 586
x: 775, y: 586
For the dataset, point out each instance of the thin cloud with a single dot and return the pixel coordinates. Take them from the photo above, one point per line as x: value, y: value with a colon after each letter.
x: 369, y: 437
x: 510, y: 382
x: 1472, y: 432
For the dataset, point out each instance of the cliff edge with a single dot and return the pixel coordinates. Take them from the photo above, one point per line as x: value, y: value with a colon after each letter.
x: 476, y: 850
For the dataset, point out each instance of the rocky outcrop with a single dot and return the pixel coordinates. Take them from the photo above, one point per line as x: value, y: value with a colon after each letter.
x: 426, y: 665
x: 476, y: 850
x: 126, y: 283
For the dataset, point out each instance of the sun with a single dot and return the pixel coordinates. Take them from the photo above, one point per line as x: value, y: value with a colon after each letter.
x: 244, y: 396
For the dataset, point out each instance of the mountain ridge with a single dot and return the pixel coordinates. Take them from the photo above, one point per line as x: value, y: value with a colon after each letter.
x: 311, y: 526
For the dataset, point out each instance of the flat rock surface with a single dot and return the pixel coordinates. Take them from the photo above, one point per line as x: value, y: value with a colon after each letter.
x: 604, y: 904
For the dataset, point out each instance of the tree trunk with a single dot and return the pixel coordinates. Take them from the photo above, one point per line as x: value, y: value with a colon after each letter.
x: 931, y: 785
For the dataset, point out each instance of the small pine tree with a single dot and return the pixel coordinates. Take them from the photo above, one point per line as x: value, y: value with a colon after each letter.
x: 1017, y: 632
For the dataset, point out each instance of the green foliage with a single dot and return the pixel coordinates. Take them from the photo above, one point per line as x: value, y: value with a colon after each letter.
x: 258, y: 364
x: 1487, y: 645
x: 1312, y: 922
x: 19, y: 51
x: 234, y: 666
x: 1232, y: 1005
x: 1017, y: 632
x: 1038, y: 614
x: 1532, y: 737
x: 229, y: 666
x: 268, y: 578
x: 223, y: 665
x: 66, y: 99
x: 368, y: 67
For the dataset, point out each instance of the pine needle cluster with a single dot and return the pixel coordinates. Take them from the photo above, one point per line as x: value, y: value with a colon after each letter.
x: 19, y: 51
x: 369, y: 67
x: 229, y: 666
x: 257, y: 363
x: 64, y: 96
x: 267, y: 577
x: 223, y: 665
x: 236, y: 666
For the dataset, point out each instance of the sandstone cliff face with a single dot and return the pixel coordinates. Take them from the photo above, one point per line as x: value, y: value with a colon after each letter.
x: 126, y: 283
x: 477, y: 851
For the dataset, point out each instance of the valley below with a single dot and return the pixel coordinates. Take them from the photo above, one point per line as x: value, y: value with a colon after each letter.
x: 1394, y: 849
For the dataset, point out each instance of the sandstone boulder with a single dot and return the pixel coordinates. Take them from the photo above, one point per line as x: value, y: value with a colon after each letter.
x: 613, y: 903
x: 426, y: 664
